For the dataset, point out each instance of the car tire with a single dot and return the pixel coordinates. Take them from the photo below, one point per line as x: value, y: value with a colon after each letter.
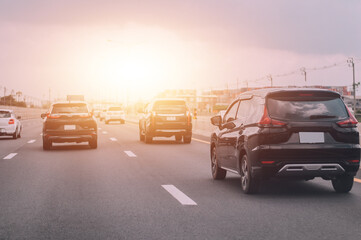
x: 217, y: 172
x: 19, y: 135
x: 93, y: 143
x: 148, y: 138
x: 249, y: 183
x: 187, y: 139
x: 342, y: 184
x: 47, y: 144
x: 141, y: 135
x: 15, y: 135
x: 178, y: 138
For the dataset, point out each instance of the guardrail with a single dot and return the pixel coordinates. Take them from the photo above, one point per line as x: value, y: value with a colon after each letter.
x: 25, y: 113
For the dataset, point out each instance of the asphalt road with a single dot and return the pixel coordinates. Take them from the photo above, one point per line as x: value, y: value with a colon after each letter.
x: 127, y: 189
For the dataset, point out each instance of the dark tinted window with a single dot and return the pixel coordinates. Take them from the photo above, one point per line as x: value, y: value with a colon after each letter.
x: 5, y: 114
x: 69, y: 108
x: 115, y: 109
x: 298, y: 109
x: 231, y: 113
x: 170, y: 106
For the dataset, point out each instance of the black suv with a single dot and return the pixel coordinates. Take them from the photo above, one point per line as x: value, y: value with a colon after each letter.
x: 69, y: 122
x: 166, y: 118
x: 295, y: 133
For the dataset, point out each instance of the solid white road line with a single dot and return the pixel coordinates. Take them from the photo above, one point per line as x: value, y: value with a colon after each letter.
x: 105, y: 132
x: 32, y: 141
x: 130, y: 154
x: 10, y: 156
x: 179, y: 195
x: 100, y: 128
x: 113, y: 139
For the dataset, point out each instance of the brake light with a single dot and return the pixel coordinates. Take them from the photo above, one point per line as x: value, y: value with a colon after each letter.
x: 53, y: 116
x: 86, y: 115
x: 354, y: 161
x: 350, y: 122
x: 266, y: 121
x: 267, y: 162
x: 11, y: 121
x: 189, y: 118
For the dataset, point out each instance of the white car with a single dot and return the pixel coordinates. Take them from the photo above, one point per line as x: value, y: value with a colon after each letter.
x: 9, y: 124
x: 114, y: 114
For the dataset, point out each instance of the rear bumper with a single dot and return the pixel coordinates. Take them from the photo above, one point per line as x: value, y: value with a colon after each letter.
x: 308, y: 160
x: 168, y: 129
x: 75, y: 136
x: 7, y: 130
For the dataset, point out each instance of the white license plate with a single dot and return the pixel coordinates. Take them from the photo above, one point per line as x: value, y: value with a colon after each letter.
x: 2, y: 130
x: 171, y: 118
x: 312, y: 137
x: 69, y: 127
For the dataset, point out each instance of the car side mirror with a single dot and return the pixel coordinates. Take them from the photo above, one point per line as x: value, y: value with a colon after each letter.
x: 229, y: 125
x: 216, y: 120
x: 18, y: 117
x: 43, y: 115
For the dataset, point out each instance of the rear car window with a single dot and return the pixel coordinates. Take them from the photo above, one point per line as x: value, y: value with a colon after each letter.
x: 5, y: 114
x: 301, y: 109
x: 115, y: 109
x: 170, y: 106
x: 69, y: 108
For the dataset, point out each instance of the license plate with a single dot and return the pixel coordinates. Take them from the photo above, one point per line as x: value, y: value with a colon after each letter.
x: 171, y: 118
x: 312, y: 137
x: 2, y: 130
x: 69, y: 127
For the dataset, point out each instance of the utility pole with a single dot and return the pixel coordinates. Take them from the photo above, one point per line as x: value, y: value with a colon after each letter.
x: 303, y: 70
x: 354, y: 84
x: 270, y: 78
x: 5, y: 96
x: 49, y: 96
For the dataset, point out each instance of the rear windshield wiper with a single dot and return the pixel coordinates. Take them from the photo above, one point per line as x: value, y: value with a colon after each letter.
x: 321, y: 116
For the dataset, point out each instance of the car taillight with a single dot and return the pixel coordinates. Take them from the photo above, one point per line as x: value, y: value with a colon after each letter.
x: 11, y: 121
x: 266, y: 121
x: 86, y: 115
x: 353, y: 161
x: 351, y: 122
x: 189, y: 117
x: 53, y: 116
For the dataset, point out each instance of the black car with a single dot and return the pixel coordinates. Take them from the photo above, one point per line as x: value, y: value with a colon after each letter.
x: 166, y: 118
x: 287, y: 133
x: 69, y: 122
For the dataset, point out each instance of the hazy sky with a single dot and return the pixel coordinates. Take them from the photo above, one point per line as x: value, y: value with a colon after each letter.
x: 109, y: 47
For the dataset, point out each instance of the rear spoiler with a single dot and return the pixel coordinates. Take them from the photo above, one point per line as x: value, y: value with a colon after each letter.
x: 303, y: 94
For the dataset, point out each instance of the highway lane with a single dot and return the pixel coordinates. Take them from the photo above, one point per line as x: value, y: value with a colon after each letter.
x: 115, y: 192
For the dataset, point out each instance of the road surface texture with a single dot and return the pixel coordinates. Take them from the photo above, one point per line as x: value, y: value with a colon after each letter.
x: 127, y: 189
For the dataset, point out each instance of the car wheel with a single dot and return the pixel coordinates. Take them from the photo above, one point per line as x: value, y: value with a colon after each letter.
x: 15, y: 135
x: 178, y: 138
x: 187, y: 139
x: 141, y: 135
x: 47, y: 144
x: 249, y: 183
x: 19, y: 135
x: 148, y: 138
x: 342, y: 184
x: 93, y: 143
x: 217, y: 172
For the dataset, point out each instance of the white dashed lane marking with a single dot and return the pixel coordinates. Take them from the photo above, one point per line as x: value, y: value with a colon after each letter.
x: 105, y: 132
x: 130, y: 154
x: 10, y: 156
x: 32, y: 141
x: 179, y: 195
x: 113, y: 139
x: 100, y: 128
